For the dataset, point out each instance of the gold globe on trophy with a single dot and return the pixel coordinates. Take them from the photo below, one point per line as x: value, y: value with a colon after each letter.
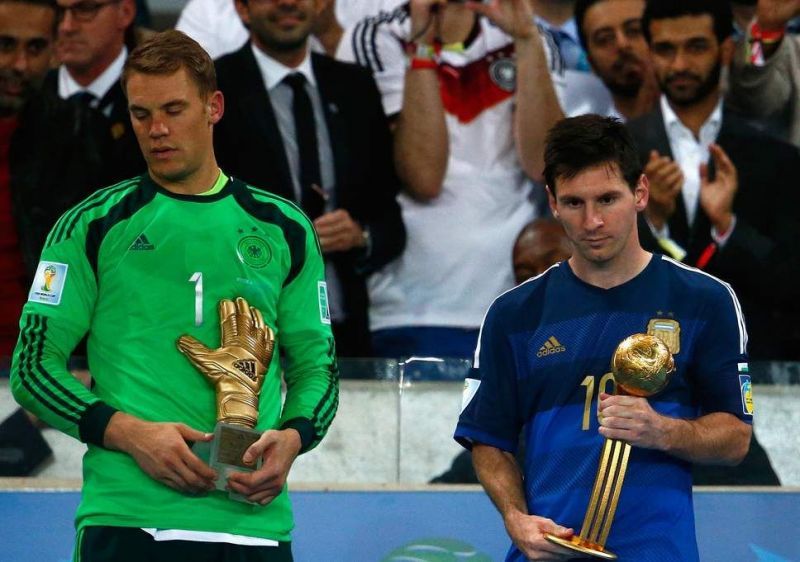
x: 642, y: 365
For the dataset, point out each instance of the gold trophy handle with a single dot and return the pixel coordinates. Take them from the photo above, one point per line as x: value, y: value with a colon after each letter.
x: 602, y: 504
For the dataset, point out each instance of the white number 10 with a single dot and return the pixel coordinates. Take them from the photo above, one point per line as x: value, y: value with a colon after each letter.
x: 197, y: 279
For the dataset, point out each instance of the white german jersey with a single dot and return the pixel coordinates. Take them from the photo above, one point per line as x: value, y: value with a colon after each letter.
x: 458, y: 252
x: 350, y: 12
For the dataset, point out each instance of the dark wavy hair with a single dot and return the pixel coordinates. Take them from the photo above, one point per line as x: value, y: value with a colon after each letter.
x: 578, y: 143
x: 719, y: 10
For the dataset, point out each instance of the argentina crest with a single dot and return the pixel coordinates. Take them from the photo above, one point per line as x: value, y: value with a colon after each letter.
x: 667, y: 330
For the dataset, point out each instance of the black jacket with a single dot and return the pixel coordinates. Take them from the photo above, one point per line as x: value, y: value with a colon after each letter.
x: 249, y: 146
x: 57, y: 158
x: 124, y: 158
x: 761, y: 260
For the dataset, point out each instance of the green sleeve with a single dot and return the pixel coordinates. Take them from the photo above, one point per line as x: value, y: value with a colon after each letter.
x: 53, y: 322
x: 311, y: 374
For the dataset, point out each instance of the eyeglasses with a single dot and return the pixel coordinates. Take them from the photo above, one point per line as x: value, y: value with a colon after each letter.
x: 84, y: 11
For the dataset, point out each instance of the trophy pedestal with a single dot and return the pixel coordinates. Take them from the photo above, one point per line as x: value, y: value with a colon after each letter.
x: 224, y: 453
x: 582, y: 546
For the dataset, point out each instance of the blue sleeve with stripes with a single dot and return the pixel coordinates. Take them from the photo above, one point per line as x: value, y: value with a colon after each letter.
x: 720, y: 364
x: 490, y: 410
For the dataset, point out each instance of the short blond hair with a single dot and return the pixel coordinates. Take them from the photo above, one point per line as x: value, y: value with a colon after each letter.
x: 166, y: 53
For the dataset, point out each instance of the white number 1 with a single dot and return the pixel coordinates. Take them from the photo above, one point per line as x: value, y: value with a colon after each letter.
x: 197, y: 279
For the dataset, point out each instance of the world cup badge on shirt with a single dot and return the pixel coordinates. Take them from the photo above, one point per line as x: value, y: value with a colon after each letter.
x: 48, y: 284
x: 668, y: 331
x: 254, y: 251
x: 746, y: 388
x: 503, y: 73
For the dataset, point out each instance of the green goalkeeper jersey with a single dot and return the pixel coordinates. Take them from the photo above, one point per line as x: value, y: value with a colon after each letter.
x: 133, y: 268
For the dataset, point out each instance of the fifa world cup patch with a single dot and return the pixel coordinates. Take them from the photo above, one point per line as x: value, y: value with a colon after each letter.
x: 48, y: 283
x: 470, y: 389
x: 746, y: 388
x: 324, y: 309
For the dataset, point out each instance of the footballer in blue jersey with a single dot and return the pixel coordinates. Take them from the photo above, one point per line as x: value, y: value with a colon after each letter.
x: 542, y: 368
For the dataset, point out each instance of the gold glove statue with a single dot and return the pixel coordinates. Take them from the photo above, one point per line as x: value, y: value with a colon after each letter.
x: 238, y: 367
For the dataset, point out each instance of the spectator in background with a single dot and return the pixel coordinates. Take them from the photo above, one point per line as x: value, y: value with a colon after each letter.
x: 540, y: 244
x: 91, y: 49
x: 743, y: 12
x: 611, y: 32
x: 557, y: 17
x: 714, y: 181
x: 765, y: 77
x: 216, y: 25
x: 465, y: 194
x: 50, y: 158
x: 312, y: 130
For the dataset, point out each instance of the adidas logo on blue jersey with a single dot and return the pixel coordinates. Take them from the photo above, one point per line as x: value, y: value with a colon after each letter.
x: 551, y: 346
x: 142, y: 243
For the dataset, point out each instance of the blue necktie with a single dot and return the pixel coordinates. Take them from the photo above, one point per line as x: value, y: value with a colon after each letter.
x: 571, y: 52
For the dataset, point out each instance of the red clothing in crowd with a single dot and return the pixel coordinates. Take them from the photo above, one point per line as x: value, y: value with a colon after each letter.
x: 13, y: 289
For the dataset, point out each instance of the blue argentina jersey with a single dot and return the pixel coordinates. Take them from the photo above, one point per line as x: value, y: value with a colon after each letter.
x: 543, y: 358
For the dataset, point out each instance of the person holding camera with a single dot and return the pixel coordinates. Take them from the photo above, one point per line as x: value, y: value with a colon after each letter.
x: 462, y: 85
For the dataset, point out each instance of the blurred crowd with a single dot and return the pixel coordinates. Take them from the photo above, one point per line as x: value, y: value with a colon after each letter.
x: 412, y: 134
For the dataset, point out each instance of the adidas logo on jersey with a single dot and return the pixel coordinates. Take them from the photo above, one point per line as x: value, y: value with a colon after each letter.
x: 142, y: 243
x: 551, y: 346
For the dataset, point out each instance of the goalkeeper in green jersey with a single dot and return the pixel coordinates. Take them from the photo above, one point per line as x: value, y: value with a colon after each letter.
x: 163, y: 258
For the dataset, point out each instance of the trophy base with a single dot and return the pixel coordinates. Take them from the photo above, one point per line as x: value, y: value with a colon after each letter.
x: 224, y: 454
x: 583, y: 546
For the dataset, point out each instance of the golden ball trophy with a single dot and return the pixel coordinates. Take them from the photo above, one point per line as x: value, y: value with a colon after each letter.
x: 237, y: 370
x: 642, y: 365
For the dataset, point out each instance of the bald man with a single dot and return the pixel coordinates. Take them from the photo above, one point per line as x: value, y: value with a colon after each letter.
x: 540, y: 244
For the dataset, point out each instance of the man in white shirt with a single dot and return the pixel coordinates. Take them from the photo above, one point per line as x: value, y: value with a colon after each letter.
x: 470, y: 109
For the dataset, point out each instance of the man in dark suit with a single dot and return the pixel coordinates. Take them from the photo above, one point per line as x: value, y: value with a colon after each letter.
x: 51, y: 155
x: 92, y: 49
x: 722, y: 197
x: 312, y: 130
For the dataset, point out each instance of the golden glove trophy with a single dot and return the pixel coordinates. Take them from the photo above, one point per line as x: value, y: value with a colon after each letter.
x: 237, y: 370
x: 642, y: 365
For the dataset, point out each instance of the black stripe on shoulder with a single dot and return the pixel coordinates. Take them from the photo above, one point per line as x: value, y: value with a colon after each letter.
x: 124, y: 209
x: 354, y: 44
x: 326, y: 408
x: 66, y: 225
x: 374, y: 46
x: 293, y: 232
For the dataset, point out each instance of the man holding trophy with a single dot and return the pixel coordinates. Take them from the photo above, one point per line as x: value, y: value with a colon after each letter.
x: 619, y: 367
x: 189, y: 442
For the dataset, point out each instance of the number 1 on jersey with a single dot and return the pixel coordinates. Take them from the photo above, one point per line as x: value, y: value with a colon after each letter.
x: 197, y: 279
